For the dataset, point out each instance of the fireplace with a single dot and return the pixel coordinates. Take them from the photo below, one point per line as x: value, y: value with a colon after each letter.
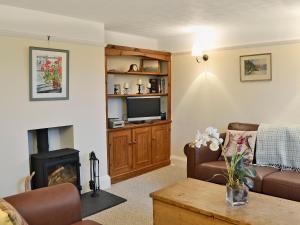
x: 53, y: 167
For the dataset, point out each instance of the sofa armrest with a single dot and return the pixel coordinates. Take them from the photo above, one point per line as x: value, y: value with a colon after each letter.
x: 59, y: 205
x: 199, y: 156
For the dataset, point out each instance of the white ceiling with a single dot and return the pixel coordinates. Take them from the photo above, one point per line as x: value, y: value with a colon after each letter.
x: 239, y: 20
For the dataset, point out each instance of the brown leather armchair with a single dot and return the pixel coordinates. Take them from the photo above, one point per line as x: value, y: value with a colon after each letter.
x: 55, y: 205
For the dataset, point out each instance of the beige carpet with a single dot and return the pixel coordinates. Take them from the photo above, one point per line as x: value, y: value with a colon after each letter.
x: 138, y: 208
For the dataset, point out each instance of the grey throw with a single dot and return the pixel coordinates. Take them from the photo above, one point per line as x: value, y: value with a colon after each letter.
x: 278, y: 146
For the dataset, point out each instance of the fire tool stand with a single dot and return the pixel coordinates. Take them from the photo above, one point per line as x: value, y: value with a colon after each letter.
x: 94, y: 174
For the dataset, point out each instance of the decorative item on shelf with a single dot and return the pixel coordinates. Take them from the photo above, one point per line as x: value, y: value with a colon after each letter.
x: 150, y: 65
x: 139, y: 84
x: 117, y: 89
x: 197, y: 52
x: 256, y: 67
x: 94, y: 174
x: 157, y: 85
x: 154, y: 85
x: 239, y: 175
x: 163, y: 85
x: 126, y: 87
x: 133, y: 68
x: 149, y: 88
x: 163, y: 116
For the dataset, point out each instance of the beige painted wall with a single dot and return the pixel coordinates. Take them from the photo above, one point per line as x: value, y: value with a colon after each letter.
x: 85, y: 110
x: 211, y: 94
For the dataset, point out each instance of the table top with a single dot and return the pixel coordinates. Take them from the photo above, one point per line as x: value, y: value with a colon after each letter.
x: 209, y: 199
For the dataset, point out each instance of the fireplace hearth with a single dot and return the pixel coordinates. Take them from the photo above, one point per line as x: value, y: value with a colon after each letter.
x: 54, y: 167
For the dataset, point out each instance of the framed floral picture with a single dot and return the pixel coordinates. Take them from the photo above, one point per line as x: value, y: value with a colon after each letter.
x: 256, y: 67
x: 49, y: 74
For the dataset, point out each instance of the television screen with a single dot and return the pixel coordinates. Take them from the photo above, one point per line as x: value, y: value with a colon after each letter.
x: 143, y: 108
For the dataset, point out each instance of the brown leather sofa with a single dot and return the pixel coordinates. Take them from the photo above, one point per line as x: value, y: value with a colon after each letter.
x: 203, y: 164
x: 55, y: 205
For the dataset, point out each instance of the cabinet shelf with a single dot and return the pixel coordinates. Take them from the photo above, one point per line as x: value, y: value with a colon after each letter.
x: 136, y: 95
x: 136, y: 73
x: 146, y: 124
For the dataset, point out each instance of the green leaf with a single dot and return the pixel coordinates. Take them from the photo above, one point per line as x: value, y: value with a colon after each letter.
x: 248, y: 182
x: 250, y: 172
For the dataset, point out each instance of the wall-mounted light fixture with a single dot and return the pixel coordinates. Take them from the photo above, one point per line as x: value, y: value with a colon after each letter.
x: 198, y: 54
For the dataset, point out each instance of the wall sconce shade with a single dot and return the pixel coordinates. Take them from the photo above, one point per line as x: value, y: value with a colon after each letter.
x: 200, y: 59
x: 197, y: 52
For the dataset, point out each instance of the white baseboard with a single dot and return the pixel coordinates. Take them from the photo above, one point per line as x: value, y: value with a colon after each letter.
x: 178, y: 160
x: 105, y: 182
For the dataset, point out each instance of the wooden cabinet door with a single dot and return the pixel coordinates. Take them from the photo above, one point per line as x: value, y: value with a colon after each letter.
x: 161, y: 143
x: 141, y: 147
x: 120, y: 152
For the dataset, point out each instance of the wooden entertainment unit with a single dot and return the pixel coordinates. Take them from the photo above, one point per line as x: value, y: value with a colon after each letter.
x: 136, y: 148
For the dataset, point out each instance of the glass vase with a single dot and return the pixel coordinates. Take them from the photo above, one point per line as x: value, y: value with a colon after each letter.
x: 237, y: 196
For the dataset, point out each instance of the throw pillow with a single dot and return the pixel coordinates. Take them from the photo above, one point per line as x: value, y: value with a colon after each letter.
x: 240, y: 142
x: 4, y: 219
x: 12, y: 213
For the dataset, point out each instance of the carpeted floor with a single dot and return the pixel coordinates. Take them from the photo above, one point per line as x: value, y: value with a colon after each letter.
x: 138, y: 208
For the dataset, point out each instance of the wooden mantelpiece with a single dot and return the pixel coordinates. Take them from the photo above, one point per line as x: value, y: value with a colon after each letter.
x: 136, y: 148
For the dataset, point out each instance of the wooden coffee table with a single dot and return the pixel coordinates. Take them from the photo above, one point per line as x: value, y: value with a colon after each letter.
x: 195, y: 202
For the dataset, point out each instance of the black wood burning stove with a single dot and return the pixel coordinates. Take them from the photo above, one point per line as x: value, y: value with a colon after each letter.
x: 54, y: 167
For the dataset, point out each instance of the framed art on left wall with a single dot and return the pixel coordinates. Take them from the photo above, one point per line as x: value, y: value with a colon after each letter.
x: 49, y: 74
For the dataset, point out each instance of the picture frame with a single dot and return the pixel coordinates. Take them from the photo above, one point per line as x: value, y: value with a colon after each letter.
x: 257, y: 67
x: 48, y: 74
x: 117, y: 89
x: 150, y: 65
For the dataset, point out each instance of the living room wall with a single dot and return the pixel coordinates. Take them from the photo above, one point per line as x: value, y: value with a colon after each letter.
x: 85, y: 109
x: 211, y: 94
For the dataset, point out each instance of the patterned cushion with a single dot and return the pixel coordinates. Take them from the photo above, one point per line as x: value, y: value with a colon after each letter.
x: 4, y: 219
x: 14, y: 216
x: 240, y: 142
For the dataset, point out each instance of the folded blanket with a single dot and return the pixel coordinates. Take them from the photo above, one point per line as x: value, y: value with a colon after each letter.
x: 278, y: 146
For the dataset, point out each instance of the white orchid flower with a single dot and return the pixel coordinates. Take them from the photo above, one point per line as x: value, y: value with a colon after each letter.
x: 214, y: 145
x: 221, y: 140
x: 201, y: 139
x: 198, y: 144
x: 198, y: 135
x: 205, y: 139
x: 211, y: 131
x: 211, y: 135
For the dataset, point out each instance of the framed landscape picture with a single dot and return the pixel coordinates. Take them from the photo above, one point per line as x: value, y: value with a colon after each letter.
x: 150, y: 65
x: 49, y: 74
x: 256, y: 67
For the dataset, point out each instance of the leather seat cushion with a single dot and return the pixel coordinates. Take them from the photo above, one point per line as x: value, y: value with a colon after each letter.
x: 206, y: 172
x: 261, y: 173
x: 86, y: 222
x: 284, y: 184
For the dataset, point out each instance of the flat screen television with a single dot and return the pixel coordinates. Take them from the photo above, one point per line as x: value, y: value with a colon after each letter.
x: 143, y: 108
